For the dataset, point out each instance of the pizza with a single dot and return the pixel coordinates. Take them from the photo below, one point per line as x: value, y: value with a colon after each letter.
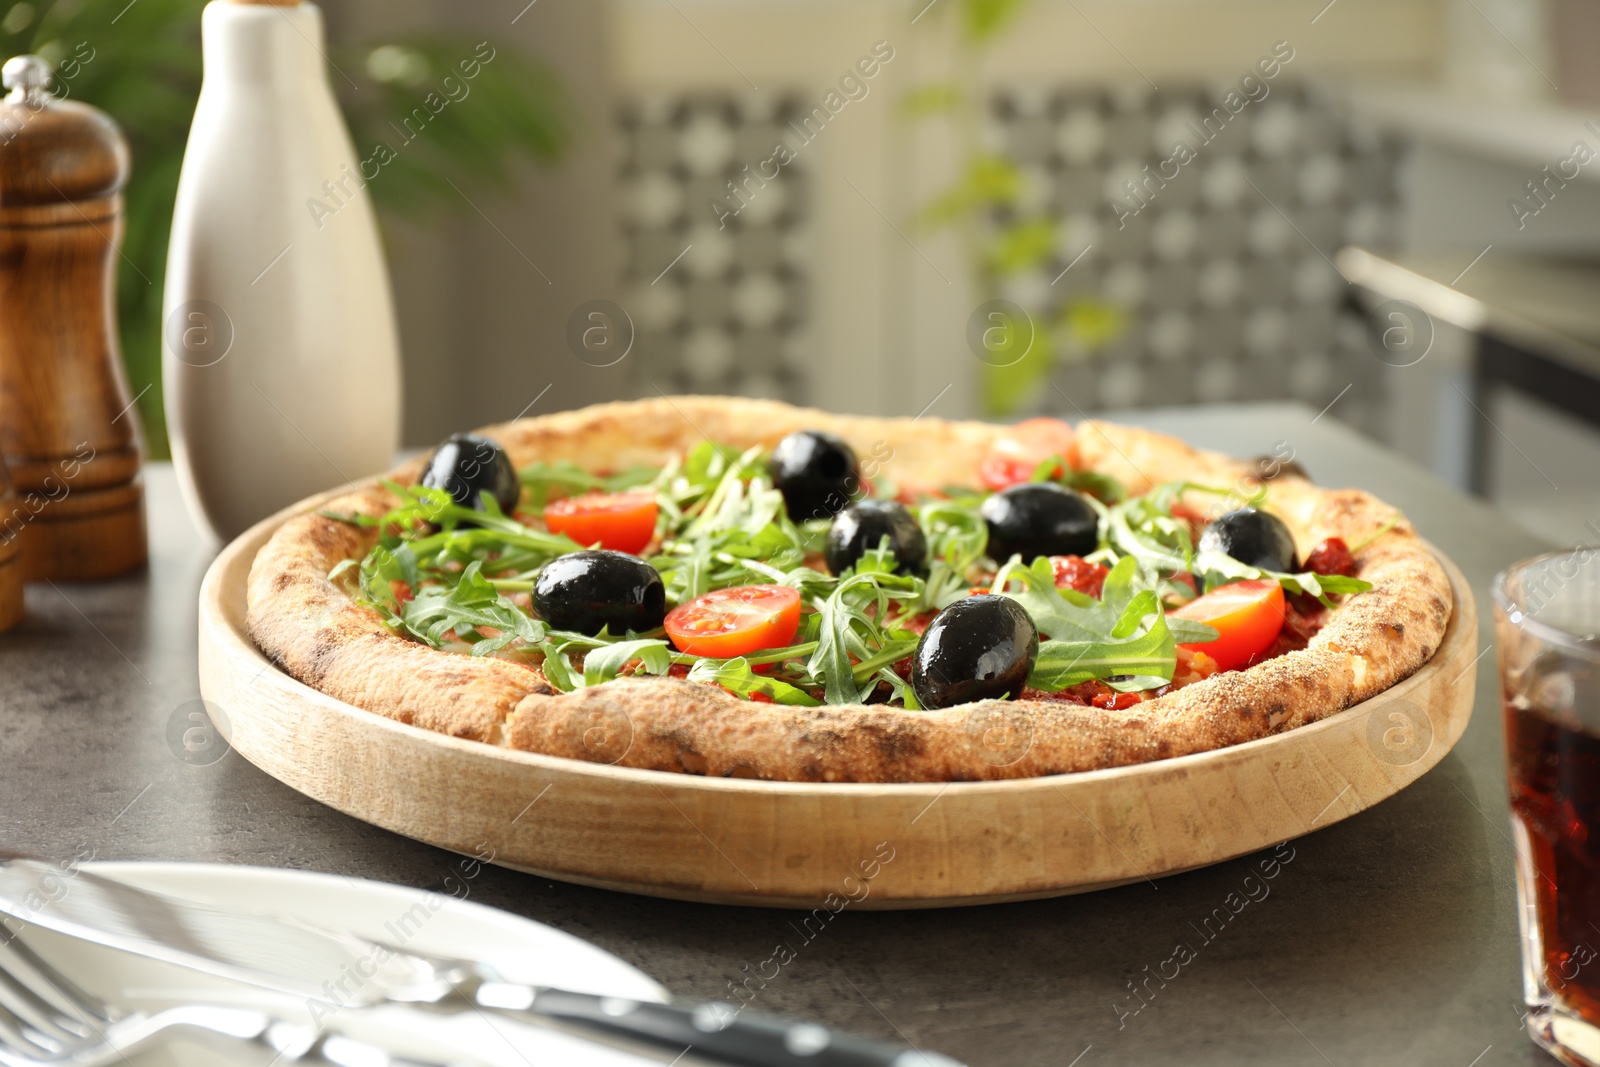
x: 743, y: 588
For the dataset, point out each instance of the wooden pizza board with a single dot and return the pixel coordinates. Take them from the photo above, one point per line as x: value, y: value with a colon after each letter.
x: 802, y: 845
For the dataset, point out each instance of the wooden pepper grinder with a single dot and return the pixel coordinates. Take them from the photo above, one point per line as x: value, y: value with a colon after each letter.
x: 11, y: 520
x: 67, y: 426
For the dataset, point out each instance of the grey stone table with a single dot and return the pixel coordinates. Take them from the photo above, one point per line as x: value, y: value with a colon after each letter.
x: 1389, y: 938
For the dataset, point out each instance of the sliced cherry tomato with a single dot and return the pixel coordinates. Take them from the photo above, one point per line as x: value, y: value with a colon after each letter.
x: 1075, y: 572
x: 736, y: 622
x: 623, y: 522
x: 1248, y: 616
x: 1014, y: 456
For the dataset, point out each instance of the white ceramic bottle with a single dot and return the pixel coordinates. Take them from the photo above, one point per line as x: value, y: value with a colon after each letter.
x: 279, y: 352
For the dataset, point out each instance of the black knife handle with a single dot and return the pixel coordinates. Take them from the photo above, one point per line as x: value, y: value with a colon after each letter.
x: 721, y: 1033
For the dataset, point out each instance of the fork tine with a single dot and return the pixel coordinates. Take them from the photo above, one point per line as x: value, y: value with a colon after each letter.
x: 50, y: 984
x: 32, y: 1019
x: 40, y: 996
x: 18, y: 1037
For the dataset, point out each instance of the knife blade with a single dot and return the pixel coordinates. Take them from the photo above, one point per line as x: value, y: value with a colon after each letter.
x: 340, y: 970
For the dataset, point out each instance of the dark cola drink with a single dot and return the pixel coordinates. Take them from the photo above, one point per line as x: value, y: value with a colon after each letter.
x: 1555, y: 807
x: 1547, y: 617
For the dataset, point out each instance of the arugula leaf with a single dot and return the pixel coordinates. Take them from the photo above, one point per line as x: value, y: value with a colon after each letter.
x: 831, y: 660
x: 737, y: 676
x: 605, y: 663
x: 1140, y: 646
x: 1063, y: 613
x: 957, y: 539
x: 468, y: 606
x: 540, y: 479
x: 1103, y: 487
x: 1390, y: 523
x: 727, y: 526
x: 558, y: 670
x: 1125, y: 633
x: 849, y: 626
x: 1218, y: 568
x: 1143, y: 527
x: 900, y: 689
x: 1069, y: 614
x: 374, y: 575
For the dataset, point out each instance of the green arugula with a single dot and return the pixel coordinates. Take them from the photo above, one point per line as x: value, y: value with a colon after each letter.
x: 606, y: 662
x: 849, y: 626
x: 1145, y: 529
x: 540, y: 479
x: 1124, y: 635
x: 466, y: 607
x: 440, y: 572
x: 1102, y: 487
x: 738, y: 677
x: 957, y: 539
x: 1218, y: 568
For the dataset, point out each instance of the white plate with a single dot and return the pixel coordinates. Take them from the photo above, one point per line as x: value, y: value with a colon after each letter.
x: 430, y: 923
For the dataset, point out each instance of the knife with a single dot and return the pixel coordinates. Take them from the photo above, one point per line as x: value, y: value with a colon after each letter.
x: 333, y: 970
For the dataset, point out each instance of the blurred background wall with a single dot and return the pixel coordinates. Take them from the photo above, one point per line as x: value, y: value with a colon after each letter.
x: 947, y: 158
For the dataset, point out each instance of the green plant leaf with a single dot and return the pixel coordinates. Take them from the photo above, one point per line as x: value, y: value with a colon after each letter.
x: 738, y: 677
x: 1006, y: 387
x: 1122, y: 634
x: 605, y: 663
x: 988, y: 181
x: 1141, y: 649
x: 931, y: 99
x: 1093, y: 324
x: 983, y: 20
x: 557, y: 667
x: 468, y: 606
x: 541, y: 480
x: 1022, y: 246
x: 1217, y: 568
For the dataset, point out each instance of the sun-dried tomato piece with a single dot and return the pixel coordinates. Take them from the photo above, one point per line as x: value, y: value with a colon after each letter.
x: 1332, y: 556
x: 1075, y: 572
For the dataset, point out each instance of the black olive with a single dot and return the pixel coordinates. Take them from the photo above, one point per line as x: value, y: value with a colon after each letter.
x: 1039, y: 519
x: 816, y: 472
x: 595, y: 589
x: 1253, y: 537
x: 862, y: 527
x: 468, y: 467
x: 979, y: 648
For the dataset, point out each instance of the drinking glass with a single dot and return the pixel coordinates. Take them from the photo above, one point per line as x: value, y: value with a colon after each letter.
x: 1547, y: 629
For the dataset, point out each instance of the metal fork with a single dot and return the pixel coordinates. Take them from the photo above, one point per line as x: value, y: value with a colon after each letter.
x: 47, y: 1021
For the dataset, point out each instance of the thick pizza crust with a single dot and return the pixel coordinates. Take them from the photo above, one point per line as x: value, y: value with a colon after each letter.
x: 313, y: 631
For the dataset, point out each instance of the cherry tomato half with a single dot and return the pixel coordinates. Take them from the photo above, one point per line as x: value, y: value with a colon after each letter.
x: 736, y: 622
x: 1014, y: 456
x: 623, y: 522
x: 1248, y: 616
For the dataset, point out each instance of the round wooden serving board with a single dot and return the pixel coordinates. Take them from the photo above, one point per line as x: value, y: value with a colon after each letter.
x: 802, y: 845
